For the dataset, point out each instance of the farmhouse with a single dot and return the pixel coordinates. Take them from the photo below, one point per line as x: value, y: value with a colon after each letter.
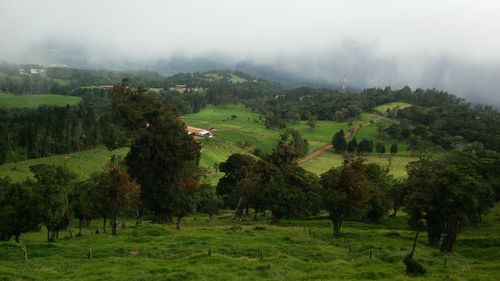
x: 199, y: 132
x: 182, y: 87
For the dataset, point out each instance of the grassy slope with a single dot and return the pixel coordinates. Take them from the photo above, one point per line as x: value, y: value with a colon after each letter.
x: 382, y: 109
x: 34, y: 101
x: 83, y: 163
x: 297, y: 250
x: 327, y: 160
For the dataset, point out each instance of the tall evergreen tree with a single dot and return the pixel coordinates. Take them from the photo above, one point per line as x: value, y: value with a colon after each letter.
x: 352, y: 145
x: 339, y: 142
x: 163, y: 158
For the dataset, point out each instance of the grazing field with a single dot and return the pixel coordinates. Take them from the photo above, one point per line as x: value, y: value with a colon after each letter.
x: 329, y: 159
x: 34, y: 101
x: 382, y: 109
x: 236, y: 79
x: 251, y: 250
x: 82, y: 163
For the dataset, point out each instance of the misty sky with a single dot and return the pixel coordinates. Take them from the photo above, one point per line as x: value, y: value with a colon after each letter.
x: 452, y: 45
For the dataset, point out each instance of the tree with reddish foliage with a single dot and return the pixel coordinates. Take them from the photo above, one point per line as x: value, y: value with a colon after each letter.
x: 116, y: 192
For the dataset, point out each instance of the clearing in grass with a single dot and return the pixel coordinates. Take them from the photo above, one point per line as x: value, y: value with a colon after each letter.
x: 34, y: 101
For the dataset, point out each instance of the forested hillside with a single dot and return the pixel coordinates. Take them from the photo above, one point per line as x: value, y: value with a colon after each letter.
x: 436, y: 119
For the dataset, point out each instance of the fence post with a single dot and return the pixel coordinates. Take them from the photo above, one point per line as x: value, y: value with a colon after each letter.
x: 25, y: 253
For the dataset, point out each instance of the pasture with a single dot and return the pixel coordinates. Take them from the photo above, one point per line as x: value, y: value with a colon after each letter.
x: 34, y: 101
x: 382, y: 109
x: 298, y: 249
x: 83, y: 163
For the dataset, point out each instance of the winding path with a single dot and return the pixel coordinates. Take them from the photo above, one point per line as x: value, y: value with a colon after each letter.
x: 376, y: 117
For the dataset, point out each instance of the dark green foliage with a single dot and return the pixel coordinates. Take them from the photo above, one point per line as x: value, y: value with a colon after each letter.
x: 82, y: 201
x: 380, y: 147
x: 163, y: 158
x: 345, y: 190
x: 275, y: 183
x: 378, y: 182
x: 394, y: 148
x: 398, y: 192
x: 451, y: 193
x: 293, y: 193
x: 237, y: 168
x: 338, y: 142
x: 52, y: 185
x: 208, y: 201
x: 19, y: 209
x: 295, y: 140
x: 45, y: 131
x: 312, y: 121
x: 365, y: 146
x: 352, y: 146
x: 258, y: 152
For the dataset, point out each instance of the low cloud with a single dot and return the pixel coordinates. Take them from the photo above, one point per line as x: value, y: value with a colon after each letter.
x: 450, y: 45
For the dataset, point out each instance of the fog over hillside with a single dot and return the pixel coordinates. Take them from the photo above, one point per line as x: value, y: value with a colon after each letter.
x: 451, y: 45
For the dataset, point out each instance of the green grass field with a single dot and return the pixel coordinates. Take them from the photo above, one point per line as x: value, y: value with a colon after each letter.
x: 34, y: 101
x: 382, y: 109
x: 329, y: 159
x: 295, y: 250
x: 236, y: 79
x: 82, y: 163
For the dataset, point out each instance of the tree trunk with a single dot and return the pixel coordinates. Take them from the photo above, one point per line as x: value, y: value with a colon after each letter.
x: 138, y: 216
x: 161, y: 218
x: 414, y: 243
x: 255, y: 215
x: 276, y: 218
x: 17, y: 237
x: 337, y: 225
x: 178, y: 223
x: 68, y: 216
x: 69, y: 228
x: 80, y: 226
x: 433, y: 235
x: 104, y: 225
x: 450, y: 238
x: 51, y: 235
x: 247, y: 210
x: 113, y: 225
x: 237, y: 211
